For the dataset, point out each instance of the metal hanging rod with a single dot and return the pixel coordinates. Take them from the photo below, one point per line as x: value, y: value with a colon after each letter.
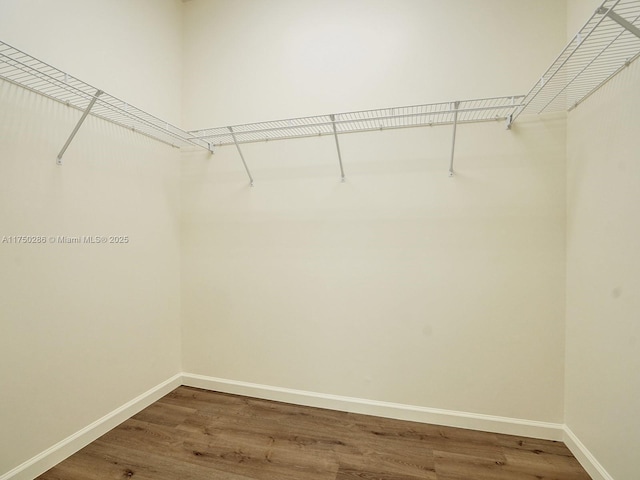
x: 605, y: 45
x: 28, y: 72
x: 434, y: 114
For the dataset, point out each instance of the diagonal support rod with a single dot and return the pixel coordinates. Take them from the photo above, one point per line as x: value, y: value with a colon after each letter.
x: 335, y: 135
x: 78, y: 125
x: 620, y: 20
x: 235, y: 140
x: 453, y: 142
x: 509, y: 120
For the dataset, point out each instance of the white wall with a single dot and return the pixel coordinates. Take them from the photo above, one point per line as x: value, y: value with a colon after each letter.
x: 401, y: 285
x: 578, y: 12
x: 602, y: 385
x: 253, y: 60
x: 603, y: 286
x: 86, y: 328
x: 130, y: 49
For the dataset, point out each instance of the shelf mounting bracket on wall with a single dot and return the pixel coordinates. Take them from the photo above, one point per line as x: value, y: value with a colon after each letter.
x: 335, y: 135
x: 235, y: 140
x: 78, y: 125
x: 509, y: 121
x: 456, y: 105
x: 619, y: 20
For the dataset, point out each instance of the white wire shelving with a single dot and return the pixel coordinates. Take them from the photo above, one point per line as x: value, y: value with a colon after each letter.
x: 427, y: 115
x: 28, y: 72
x: 467, y: 111
x: 605, y: 45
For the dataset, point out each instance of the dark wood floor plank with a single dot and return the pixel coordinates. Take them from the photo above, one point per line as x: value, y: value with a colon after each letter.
x: 205, y: 401
x: 390, y: 449
x: 540, y: 464
x: 519, y: 466
x: 161, y: 413
x: 107, y: 461
x: 263, y: 463
x: 534, y: 445
x: 388, y: 466
x: 348, y: 473
x: 193, y: 434
x: 144, y: 436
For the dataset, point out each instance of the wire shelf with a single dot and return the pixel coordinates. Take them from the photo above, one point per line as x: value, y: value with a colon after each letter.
x: 467, y: 111
x: 609, y: 41
x: 28, y: 72
x: 601, y: 49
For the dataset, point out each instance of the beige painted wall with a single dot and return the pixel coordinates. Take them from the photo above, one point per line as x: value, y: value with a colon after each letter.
x: 578, y: 12
x: 401, y: 285
x: 131, y: 49
x: 85, y: 328
x: 602, y: 382
x: 253, y: 60
x: 603, y: 285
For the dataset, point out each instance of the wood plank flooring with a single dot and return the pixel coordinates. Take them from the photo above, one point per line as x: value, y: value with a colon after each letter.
x: 194, y: 434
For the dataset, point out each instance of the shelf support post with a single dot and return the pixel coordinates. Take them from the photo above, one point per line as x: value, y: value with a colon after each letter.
x: 78, y: 125
x: 235, y: 140
x: 453, y: 141
x: 509, y: 121
x: 335, y: 135
x: 619, y: 20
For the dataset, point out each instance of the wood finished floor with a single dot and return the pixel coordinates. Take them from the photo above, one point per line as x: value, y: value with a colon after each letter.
x: 194, y: 434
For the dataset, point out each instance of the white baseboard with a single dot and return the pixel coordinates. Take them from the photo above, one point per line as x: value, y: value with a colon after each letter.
x: 450, y: 418
x: 584, y: 456
x: 63, y: 449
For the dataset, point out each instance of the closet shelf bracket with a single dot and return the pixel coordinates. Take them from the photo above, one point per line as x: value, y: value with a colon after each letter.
x: 456, y: 105
x: 335, y: 135
x: 509, y: 121
x: 619, y: 20
x: 235, y: 140
x: 78, y: 125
